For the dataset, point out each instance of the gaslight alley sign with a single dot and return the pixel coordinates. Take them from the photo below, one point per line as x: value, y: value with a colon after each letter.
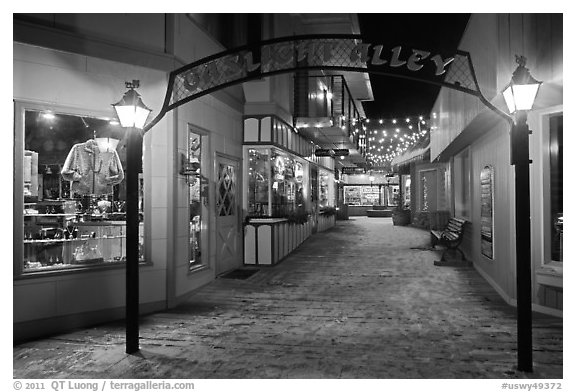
x: 317, y: 52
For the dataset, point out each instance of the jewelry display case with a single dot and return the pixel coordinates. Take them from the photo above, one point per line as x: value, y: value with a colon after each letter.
x: 60, y: 234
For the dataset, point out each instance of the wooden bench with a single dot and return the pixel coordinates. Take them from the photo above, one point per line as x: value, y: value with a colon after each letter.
x: 450, y: 237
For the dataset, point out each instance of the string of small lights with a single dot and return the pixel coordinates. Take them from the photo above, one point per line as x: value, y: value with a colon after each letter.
x: 385, y: 138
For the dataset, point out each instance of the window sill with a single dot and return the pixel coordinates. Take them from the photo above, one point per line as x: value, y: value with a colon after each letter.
x: 198, y: 268
x: 550, y: 275
x: 76, y: 269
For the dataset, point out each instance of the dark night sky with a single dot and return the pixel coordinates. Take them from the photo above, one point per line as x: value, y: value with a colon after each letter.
x: 436, y: 33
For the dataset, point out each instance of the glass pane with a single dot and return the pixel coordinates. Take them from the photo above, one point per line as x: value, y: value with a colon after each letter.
x: 393, y: 191
x: 352, y: 195
x: 74, y: 192
x: 370, y: 196
x: 258, y: 182
x: 287, y: 183
x: 226, y: 190
x: 198, y: 193
x: 556, y: 186
x: 324, y: 191
x: 487, y: 211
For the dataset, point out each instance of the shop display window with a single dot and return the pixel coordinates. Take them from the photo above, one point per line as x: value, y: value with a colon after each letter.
x: 369, y: 195
x: 258, y: 177
x: 391, y: 192
x: 287, y: 183
x: 198, y: 195
x: 353, y: 195
x: 326, y: 195
x: 74, y: 192
x: 275, y: 182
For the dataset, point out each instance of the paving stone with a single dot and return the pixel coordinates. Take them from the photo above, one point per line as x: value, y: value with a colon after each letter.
x: 362, y: 300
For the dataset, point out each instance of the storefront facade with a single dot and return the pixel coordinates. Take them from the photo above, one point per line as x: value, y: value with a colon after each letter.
x: 289, y: 191
x: 361, y: 192
x: 69, y: 158
x: 474, y: 144
x: 69, y: 220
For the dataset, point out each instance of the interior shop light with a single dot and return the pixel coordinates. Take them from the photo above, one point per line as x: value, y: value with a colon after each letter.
x: 106, y: 144
x: 521, y: 92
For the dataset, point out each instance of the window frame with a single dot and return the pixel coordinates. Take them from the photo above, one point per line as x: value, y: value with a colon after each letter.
x: 546, y: 190
x: 205, y: 168
x: 20, y: 108
x: 459, y: 177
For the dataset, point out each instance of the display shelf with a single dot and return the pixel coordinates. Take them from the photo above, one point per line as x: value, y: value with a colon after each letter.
x: 72, y: 239
x: 54, y: 215
x: 98, y: 241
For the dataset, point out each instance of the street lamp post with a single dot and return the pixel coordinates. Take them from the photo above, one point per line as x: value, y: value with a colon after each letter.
x: 520, y: 94
x: 132, y: 114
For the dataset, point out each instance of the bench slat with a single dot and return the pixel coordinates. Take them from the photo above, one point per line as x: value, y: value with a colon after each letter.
x: 453, y: 232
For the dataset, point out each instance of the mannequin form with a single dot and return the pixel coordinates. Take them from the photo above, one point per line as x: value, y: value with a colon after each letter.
x: 92, y: 172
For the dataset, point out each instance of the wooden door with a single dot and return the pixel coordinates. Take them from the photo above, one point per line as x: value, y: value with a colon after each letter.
x: 228, y: 250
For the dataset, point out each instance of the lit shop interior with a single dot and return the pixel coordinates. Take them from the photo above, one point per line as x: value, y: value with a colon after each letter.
x: 74, y: 194
x: 277, y: 185
x: 284, y: 177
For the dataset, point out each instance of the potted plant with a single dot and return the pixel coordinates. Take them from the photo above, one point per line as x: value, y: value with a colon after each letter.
x: 401, y: 212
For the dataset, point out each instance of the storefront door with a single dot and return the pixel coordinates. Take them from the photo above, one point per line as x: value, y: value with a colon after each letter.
x: 227, y: 220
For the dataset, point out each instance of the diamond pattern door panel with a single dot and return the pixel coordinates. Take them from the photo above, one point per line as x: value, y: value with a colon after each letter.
x: 226, y: 190
x: 228, y: 232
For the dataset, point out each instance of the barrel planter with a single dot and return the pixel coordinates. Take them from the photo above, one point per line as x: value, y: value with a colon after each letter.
x: 326, y: 221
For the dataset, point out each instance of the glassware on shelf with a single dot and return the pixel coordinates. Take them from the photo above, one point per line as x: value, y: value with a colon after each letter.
x: 119, y: 204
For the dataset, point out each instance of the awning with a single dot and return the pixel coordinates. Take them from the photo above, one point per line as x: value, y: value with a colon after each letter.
x: 416, y: 155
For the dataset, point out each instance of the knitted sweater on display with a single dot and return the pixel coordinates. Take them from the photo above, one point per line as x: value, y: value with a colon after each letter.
x: 92, y: 172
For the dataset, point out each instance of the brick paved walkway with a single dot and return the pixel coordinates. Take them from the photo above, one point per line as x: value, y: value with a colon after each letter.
x: 353, y: 302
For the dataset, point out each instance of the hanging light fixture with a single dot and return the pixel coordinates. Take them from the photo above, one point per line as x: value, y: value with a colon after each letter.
x: 130, y: 109
x: 521, y: 92
x: 106, y: 144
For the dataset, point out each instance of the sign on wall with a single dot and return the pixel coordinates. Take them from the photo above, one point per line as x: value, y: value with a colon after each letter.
x: 352, y: 170
x: 487, y: 211
x: 341, y: 152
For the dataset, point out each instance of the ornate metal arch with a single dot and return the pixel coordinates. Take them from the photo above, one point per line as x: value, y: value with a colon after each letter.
x: 318, y: 52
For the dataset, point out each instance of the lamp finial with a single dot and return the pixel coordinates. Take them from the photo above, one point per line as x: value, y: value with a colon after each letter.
x: 133, y: 84
x: 520, y: 60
